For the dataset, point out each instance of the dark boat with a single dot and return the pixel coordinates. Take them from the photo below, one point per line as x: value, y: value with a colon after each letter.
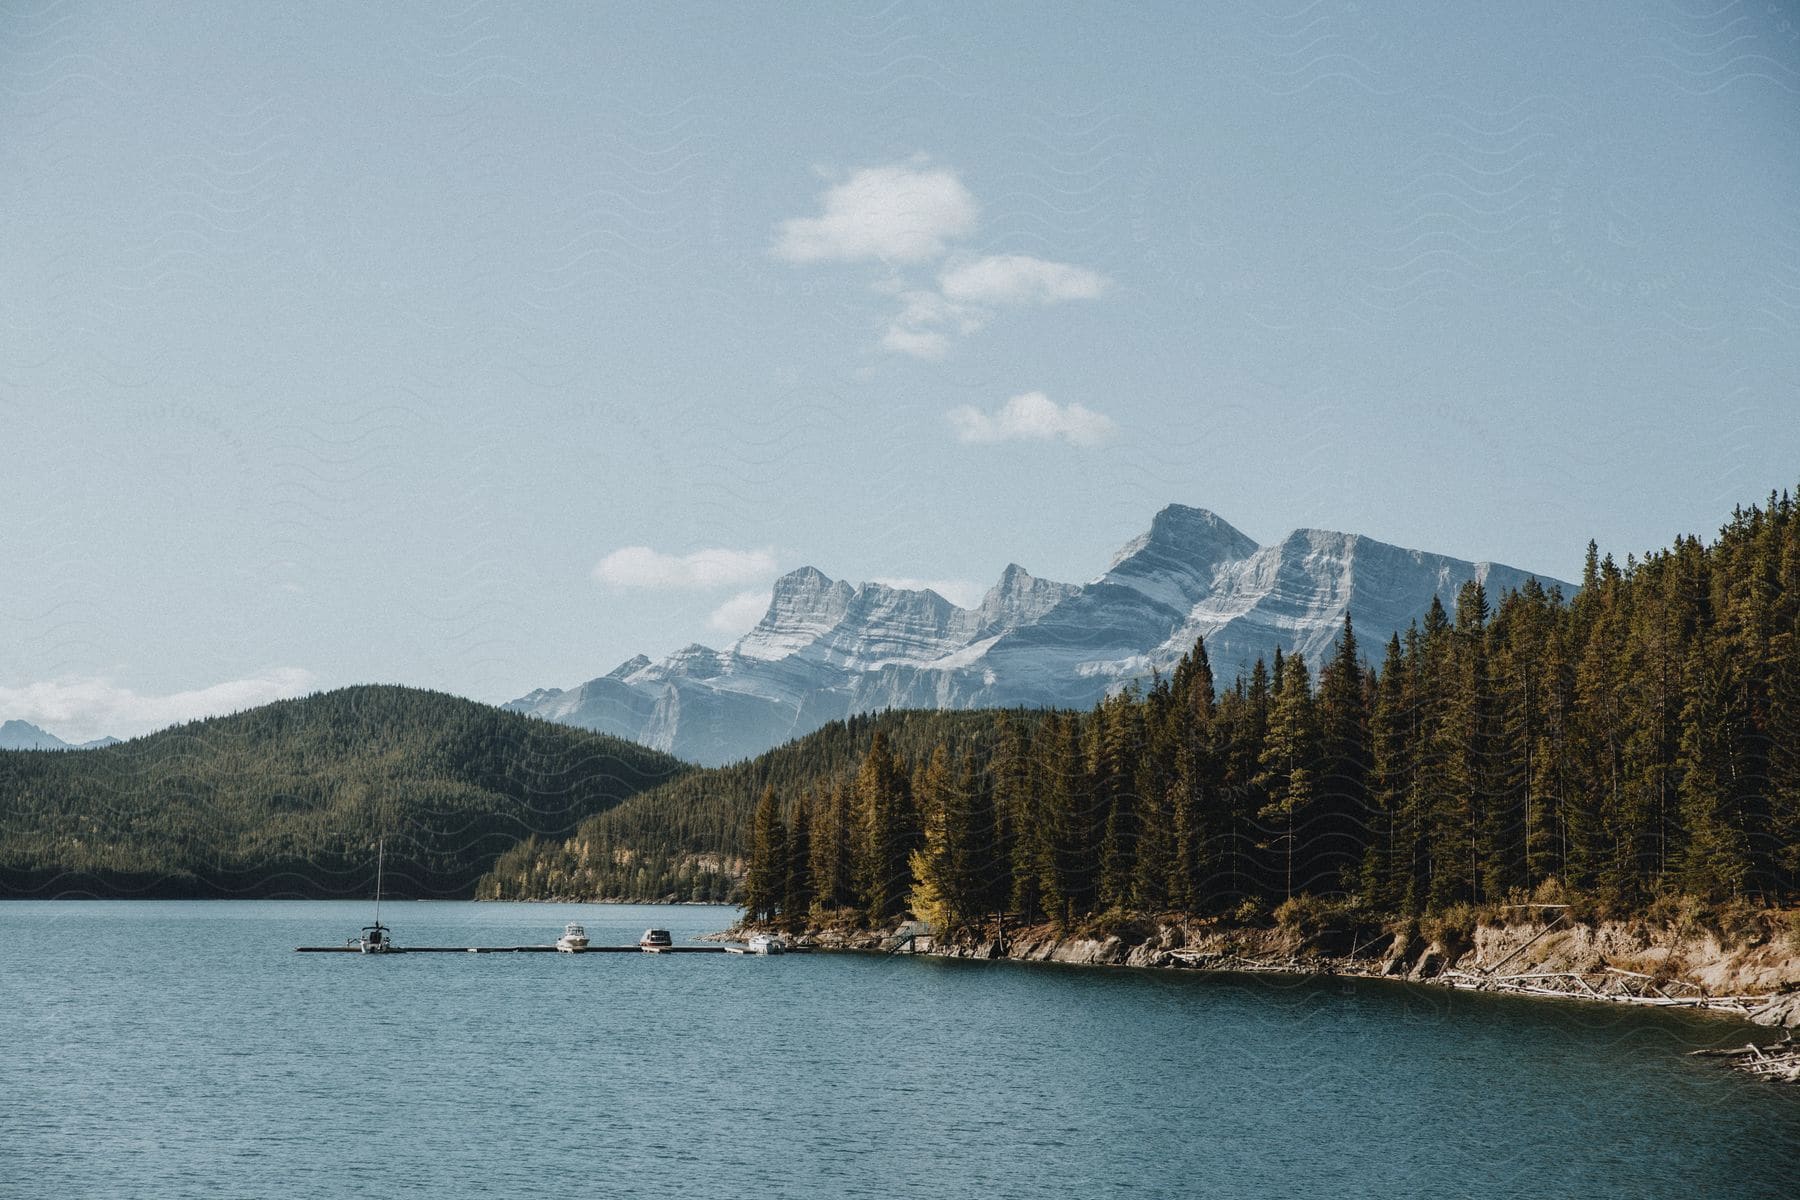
x: 377, y: 938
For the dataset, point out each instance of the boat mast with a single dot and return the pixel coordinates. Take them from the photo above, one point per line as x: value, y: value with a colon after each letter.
x: 380, y: 853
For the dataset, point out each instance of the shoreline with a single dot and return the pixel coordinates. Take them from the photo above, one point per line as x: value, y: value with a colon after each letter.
x: 1538, y: 960
x: 572, y: 900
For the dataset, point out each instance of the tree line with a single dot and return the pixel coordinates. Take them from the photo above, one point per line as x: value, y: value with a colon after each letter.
x: 689, y: 838
x: 1636, y: 740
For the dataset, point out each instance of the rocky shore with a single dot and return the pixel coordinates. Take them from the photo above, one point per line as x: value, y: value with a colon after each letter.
x: 1753, y: 978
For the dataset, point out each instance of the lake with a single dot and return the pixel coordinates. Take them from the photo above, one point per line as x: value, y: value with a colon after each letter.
x: 153, y: 1049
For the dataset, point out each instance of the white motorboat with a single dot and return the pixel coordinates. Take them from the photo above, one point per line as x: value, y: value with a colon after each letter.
x: 574, y: 939
x: 655, y: 940
x: 764, y: 943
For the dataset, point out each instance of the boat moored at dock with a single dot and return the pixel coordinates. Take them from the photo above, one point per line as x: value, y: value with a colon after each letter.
x: 376, y: 938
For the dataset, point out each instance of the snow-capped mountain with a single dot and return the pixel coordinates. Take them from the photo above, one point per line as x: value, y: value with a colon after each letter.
x: 23, y: 735
x: 827, y: 649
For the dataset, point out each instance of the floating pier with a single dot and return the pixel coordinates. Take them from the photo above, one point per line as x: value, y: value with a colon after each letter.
x: 353, y: 948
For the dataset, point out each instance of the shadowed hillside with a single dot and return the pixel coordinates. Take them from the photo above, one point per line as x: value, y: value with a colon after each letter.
x: 289, y: 799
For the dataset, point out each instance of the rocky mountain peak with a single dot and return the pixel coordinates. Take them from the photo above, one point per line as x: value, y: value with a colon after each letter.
x: 805, y: 604
x: 827, y: 649
x: 1179, y: 525
x: 630, y: 666
x: 1174, y: 562
x: 1014, y: 579
x: 23, y: 735
x: 801, y: 582
x: 693, y: 661
x: 1018, y: 598
x: 1183, y: 535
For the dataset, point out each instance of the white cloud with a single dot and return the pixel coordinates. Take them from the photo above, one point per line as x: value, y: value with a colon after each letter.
x: 1019, y: 279
x: 1032, y: 416
x: 929, y: 321
x: 926, y: 322
x: 907, y: 215
x: 81, y: 709
x: 740, y: 613
x: 920, y: 343
x: 959, y: 592
x: 642, y: 567
x: 902, y: 213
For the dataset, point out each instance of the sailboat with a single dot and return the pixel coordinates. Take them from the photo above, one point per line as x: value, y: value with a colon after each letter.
x: 377, y: 938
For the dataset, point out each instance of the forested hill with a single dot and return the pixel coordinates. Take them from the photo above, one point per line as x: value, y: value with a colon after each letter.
x: 290, y: 798
x: 1635, y: 742
x: 688, y: 839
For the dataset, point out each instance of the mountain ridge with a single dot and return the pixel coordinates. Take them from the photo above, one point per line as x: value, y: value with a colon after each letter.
x: 827, y: 649
x: 23, y: 735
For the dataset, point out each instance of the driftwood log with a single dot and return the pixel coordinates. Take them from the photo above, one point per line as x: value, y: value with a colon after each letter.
x: 1780, y: 1061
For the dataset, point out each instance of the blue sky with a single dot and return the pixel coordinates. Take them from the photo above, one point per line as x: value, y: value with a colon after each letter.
x: 480, y: 348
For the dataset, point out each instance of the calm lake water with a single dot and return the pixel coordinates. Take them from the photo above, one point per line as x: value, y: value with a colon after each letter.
x: 173, y: 1050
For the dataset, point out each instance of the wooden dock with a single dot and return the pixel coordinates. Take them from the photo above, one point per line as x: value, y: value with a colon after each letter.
x: 353, y: 948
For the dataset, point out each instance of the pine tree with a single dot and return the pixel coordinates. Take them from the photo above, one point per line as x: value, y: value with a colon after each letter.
x: 1611, y: 847
x: 1118, y: 748
x: 1783, y: 835
x: 1562, y: 815
x: 957, y: 859
x: 832, y: 874
x: 1020, y: 813
x: 1520, y: 637
x: 797, y: 899
x: 1384, y: 872
x: 1467, y: 833
x: 1334, y: 853
x: 1715, y: 859
x: 934, y: 867
x: 765, y: 884
x: 1245, y: 727
x: 1430, y: 816
x: 1065, y: 863
x: 888, y: 833
x: 1147, y: 889
x: 1289, y: 765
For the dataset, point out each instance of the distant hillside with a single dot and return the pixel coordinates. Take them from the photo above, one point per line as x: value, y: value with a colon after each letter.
x: 289, y: 799
x: 686, y: 840
x: 23, y: 735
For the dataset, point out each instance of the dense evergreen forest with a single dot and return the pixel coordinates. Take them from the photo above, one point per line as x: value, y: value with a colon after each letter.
x: 289, y: 799
x: 1637, y: 741
x: 689, y: 839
